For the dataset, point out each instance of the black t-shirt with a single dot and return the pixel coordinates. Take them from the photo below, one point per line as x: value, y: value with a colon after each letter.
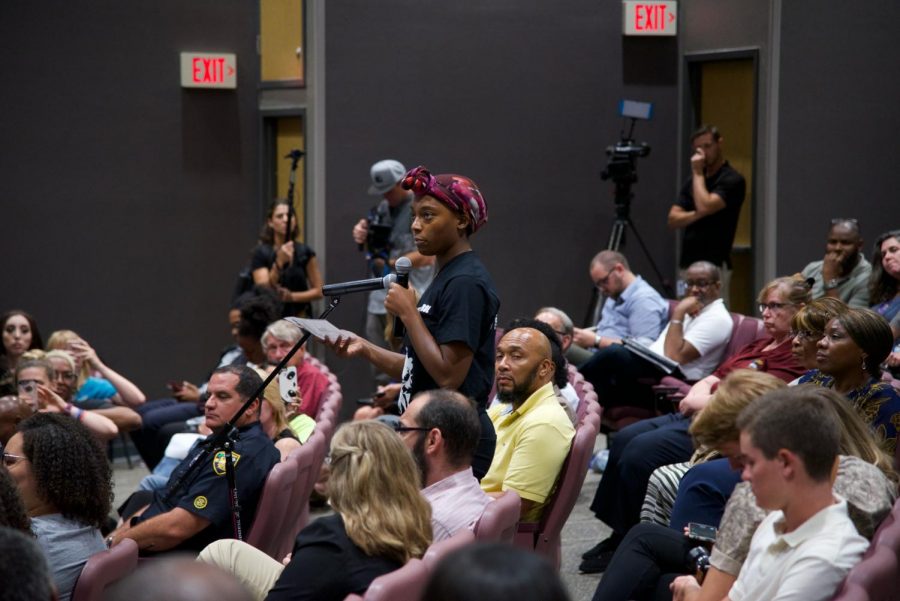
x: 710, y: 238
x: 293, y: 278
x: 460, y: 305
x: 327, y: 566
x: 206, y: 495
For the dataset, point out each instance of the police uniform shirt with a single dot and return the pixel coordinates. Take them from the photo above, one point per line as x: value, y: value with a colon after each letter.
x: 206, y: 494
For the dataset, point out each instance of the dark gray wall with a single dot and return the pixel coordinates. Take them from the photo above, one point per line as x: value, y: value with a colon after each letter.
x: 522, y: 96
x: 839, y: 124
x: 128, y: 204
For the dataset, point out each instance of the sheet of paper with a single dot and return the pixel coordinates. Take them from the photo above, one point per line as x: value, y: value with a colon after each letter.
x: 318, y: 328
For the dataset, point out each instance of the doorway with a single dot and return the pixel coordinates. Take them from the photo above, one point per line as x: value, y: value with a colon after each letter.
x: 722, y: 91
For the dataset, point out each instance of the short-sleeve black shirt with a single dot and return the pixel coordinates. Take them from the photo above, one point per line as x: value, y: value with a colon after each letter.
x: 206, y: 494
x: 293, y: 278
x: 460, y: 305
x: 710, y: 238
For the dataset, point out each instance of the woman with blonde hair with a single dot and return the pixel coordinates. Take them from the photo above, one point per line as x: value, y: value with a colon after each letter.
x: 96, y: 381
x: 380, y: 522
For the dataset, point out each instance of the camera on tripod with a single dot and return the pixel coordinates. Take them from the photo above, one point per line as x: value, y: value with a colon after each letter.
x: 620, y: 167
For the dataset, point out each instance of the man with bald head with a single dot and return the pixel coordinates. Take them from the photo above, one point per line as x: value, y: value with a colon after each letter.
x: 533, y: 432
x: 844, y: 272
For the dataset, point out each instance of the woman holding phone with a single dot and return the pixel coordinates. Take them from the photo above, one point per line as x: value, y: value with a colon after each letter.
x: 449, y: 341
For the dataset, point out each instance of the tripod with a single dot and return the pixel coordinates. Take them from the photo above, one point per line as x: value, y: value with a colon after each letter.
x: 617, y: 240
x: 622, y: 222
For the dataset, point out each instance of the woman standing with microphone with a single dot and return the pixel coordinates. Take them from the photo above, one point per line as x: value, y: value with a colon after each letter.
x: 449, y: 340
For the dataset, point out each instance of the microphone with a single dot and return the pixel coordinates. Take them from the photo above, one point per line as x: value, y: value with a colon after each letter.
x: 359, y: 286
x: 402, y: 265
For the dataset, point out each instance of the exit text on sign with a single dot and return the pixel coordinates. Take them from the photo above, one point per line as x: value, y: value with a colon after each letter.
x: 649, y: 18
x: 208, y: 70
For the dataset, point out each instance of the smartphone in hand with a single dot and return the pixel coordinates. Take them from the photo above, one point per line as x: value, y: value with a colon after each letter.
x: 702, y: 532
x: 175, y: 386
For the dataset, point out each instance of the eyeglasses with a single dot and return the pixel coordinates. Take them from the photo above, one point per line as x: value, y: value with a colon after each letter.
x: 400, y: 428
x: 804, y: 335
x: 601, y: 282
x: 10, y: 460
x: 699, y: 283
x: 773, y: 306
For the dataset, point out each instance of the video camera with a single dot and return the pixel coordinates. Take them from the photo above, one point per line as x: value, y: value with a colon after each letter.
x: 378, y: 242
x: 620, y: 167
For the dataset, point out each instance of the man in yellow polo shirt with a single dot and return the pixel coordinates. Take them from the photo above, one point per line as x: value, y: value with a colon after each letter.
x: 533, y: 432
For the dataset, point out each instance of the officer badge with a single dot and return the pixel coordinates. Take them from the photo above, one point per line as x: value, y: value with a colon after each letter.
x: 219, y: 462
x: 200, y: 502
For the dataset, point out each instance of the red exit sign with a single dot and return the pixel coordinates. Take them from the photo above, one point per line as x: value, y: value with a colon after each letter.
x: 650, y: 18
x: 208, y: 70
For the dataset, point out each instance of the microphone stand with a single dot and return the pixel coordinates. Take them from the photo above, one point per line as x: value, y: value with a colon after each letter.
x: 228, y: 435
x: 295, y: 156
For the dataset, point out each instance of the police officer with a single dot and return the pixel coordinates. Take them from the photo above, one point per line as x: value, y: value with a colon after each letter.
x: 199, y: 512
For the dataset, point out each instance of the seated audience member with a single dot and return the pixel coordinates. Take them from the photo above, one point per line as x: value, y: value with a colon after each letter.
x: 34, y: 379
x: 311, y: 384
x: 849, y: 361
x: 533, y: 432
x: 96, y: 382
x: 808, y: 327
x: 844, y: 272
x: 441, y: 429
x: 125, y: 418
x: 177, y: 579
x: 884, y: 284
x: 632, y: 308
x: 562, y: 326
x: 380, y: 522
x: 199, y: 511
x: 271, y: 418
x: 494, y: 571
x: 20, y: 334
x: 249, y: 317
x: 641, y: 448
x: 807, y: 543
x: 12, y: 411
x: 652, y: 555
x: 65, y: 482
x: 23, y: 571
x: 12, y: 510
x: 695, y: 338
x: 714, y: 435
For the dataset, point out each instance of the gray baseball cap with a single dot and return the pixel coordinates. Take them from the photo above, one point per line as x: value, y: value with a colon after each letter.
x: 385, y: 175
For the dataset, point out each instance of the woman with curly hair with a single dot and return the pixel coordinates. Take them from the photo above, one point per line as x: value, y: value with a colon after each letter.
x: 380, y: 522
x: 884, y: 283
x: 65, y: 483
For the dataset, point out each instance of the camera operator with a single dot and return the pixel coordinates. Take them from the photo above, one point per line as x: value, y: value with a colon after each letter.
x: 709, y: 205
x: 385, y: 236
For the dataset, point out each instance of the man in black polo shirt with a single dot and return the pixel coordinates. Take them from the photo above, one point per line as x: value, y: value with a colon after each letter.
x: 709, y: 205
x: 199, y: 512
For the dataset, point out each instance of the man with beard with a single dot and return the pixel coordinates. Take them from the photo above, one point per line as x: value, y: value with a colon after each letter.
x: 844, y: 272
x: 533, y: 432
x: 441, y: 428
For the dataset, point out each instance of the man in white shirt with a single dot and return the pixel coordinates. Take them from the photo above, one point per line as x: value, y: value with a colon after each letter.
x: 441, y: 428
x: 803, y: 549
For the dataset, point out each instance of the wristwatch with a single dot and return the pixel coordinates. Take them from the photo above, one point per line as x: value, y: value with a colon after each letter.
x: 597, y: 339
x: 833, y: 283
